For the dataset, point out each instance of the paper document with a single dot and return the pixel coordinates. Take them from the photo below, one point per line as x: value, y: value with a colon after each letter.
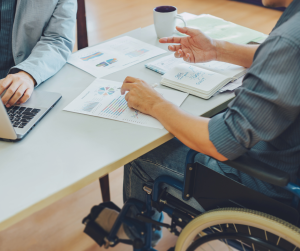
x: 103, y: 99
x: 232, y: 86
x: 218, y: 28
x: 114, y: 55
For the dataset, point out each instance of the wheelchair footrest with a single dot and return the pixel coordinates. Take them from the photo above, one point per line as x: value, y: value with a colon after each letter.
x: 92, y: 229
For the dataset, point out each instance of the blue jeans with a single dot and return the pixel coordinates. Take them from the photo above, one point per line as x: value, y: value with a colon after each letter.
x: 167, y: 159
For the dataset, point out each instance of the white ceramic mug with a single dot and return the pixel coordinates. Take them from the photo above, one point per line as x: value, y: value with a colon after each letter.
x: 165, y: 20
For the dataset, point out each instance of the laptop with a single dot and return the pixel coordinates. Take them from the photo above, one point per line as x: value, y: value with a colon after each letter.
x: 17, y: 121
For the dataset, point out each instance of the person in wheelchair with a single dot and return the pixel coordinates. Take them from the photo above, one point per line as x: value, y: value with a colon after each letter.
x: 262, y: 123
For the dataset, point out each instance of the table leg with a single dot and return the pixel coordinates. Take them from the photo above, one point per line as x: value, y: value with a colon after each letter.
x: 104, y: 185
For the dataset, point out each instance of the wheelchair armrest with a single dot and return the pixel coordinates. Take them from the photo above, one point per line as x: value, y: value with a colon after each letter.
x: 259, y: 170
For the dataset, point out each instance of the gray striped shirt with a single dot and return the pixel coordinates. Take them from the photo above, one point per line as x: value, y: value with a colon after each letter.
x: 7, y: 14
x: 263, y: 121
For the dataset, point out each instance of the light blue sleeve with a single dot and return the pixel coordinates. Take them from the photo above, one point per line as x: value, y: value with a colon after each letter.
x: 56, y: 44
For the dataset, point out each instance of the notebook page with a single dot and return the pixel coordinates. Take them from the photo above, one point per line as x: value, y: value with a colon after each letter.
x: 195, y: 77
x: 230, y: 70
x: 164, y: 64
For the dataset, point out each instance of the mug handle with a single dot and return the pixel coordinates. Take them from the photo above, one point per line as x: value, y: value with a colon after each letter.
x: 181, y: 18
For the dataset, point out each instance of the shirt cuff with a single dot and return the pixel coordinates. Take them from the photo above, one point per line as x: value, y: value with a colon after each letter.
x: 223, y: 139
x: 19, y: 68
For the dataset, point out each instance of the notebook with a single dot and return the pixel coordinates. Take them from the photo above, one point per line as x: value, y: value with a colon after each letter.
x: 165, y: 64
x: 196, y: 80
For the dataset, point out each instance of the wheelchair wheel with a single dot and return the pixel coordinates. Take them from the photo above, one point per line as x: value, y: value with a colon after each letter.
x: 242, y: 229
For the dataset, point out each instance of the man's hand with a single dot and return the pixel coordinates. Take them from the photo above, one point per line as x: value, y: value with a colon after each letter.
x: 19, y: 88
x: 141, y: 96
x: 196, y: 48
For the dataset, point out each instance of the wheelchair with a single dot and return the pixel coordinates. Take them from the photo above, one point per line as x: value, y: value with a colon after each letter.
x: 240, y: 218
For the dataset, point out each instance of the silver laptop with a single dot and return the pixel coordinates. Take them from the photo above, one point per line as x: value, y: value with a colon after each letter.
x: 17, y: 121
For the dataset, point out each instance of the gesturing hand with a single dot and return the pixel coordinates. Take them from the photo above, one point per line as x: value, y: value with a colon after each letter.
x: 19, y: 88
x: 141, y: 96
x: 196, y: 48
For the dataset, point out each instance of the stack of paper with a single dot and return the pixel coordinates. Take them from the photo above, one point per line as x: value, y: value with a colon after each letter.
x: 218, y: 28
x: 194, y: 80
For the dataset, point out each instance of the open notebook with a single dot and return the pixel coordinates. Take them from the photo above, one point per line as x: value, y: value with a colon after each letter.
x: 202, y: 80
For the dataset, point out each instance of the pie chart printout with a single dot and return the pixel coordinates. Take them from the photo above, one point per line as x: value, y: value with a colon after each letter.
x: 106, y: 91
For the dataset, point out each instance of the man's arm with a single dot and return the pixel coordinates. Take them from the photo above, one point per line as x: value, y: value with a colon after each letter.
x: 235, y: 53
x: 56, y: 44
x: 198, y: 48
x: 190, y: 130
x: 47, y: 57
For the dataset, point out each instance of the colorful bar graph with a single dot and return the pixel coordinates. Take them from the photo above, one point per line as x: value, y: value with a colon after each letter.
x: 95, y: 55
x: 116, y: 107
x: 136, y: 53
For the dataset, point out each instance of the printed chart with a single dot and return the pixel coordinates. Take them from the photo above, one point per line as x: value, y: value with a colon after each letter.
x: 103, y: 99
x: 92, y: 56
x: 114, y: 55
x: 107, y: 62
x: 106, y: 91
x: 136, y: 53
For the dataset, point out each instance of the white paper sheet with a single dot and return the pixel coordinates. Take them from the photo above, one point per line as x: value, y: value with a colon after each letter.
x: 103, y: 99
x: 114, y: 55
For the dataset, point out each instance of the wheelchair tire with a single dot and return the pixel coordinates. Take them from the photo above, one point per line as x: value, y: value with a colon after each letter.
x: 239, y: 216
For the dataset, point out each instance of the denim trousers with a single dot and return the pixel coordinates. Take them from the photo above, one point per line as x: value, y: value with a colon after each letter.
x: 167, y: 159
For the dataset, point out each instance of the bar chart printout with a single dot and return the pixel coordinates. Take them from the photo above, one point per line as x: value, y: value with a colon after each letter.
x: 103, y: 99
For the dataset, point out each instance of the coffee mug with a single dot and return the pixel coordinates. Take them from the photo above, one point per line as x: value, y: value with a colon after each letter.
x: 165, y: 20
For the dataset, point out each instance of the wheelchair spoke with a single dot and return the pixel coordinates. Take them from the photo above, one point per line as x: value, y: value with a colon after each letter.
x: 278, y: 241
x: 266, y: 237
x: 239, y: 241
x: 253, y: 247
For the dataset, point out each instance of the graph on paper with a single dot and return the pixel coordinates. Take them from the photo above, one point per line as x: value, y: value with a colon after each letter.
x: 107, y: 62
x: 112, y: 56
x: 103, y: 99
x: 115, y: 108
x: 92, y: 56
x: 136, y: 53
x: 106, y: 91
x: 89, y: 106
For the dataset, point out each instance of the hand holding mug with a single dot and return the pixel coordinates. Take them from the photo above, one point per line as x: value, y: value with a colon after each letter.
x: 196, y: 48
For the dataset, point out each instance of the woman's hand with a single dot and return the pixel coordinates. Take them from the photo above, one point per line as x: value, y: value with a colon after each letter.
x: 196, y: 48
x: 141, y: 96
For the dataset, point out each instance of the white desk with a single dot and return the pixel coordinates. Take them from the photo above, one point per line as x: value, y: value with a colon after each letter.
x: 67, y: 151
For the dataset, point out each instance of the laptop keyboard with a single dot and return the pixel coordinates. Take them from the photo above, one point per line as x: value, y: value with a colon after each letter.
x: 21, y: 116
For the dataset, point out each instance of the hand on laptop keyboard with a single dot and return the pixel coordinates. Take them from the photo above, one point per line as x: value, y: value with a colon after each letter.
x: 21, y: 116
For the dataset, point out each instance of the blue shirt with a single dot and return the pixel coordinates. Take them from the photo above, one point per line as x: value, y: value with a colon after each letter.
x: 7, y: 13
x: 263, y: 121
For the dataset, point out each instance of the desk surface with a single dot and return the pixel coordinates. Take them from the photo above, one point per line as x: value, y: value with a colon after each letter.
x: 67, y: 151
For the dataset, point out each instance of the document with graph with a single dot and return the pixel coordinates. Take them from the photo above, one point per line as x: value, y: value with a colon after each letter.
x: 114, y: 55
x: 103, y: 99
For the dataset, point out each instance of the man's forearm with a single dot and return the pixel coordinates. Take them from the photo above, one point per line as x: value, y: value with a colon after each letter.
x: 190, y: 130
x: 235, y: 53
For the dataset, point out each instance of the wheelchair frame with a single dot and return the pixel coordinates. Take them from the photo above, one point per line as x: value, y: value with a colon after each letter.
x: 182, y: 216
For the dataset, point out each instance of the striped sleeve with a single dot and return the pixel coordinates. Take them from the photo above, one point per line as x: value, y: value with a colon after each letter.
x: 267, y: 103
